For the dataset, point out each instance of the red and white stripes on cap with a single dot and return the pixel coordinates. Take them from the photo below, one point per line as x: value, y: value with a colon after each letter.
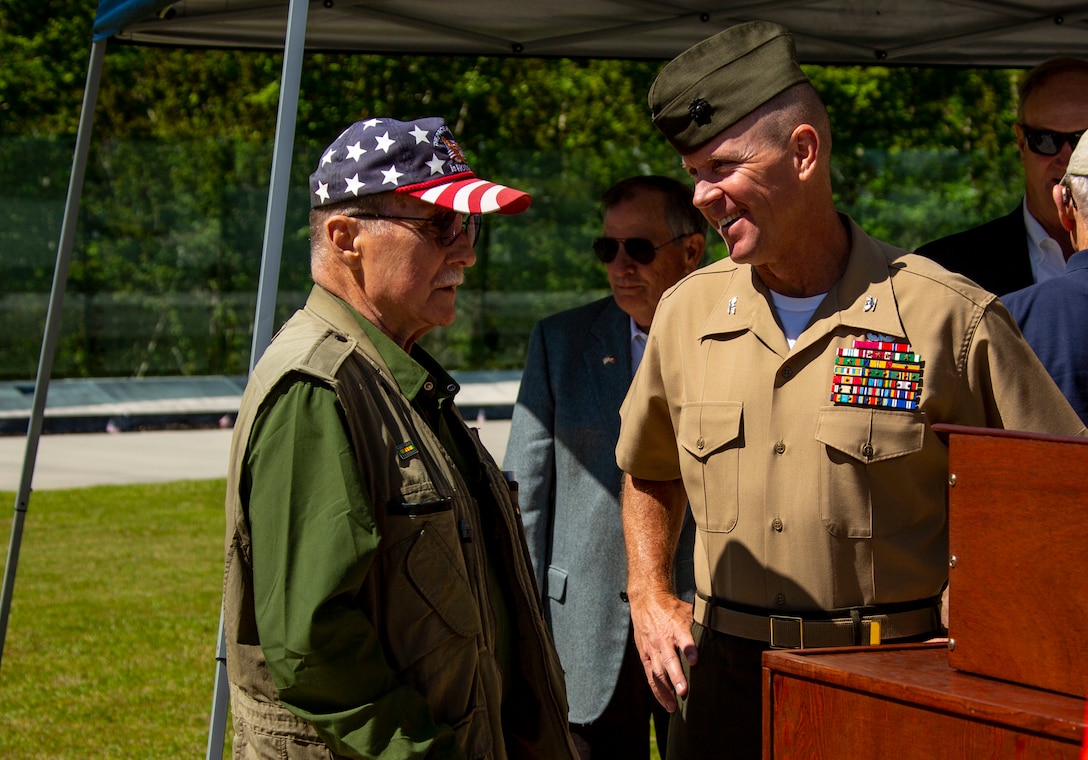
x: 420, y: 158
x: 474, y: 196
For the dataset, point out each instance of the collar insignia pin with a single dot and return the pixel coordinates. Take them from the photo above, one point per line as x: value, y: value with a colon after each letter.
x: 870, y: 303
x: 732, y: 305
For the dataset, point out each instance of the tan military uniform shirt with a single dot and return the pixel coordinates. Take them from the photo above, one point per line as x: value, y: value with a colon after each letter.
x: 803, y: 504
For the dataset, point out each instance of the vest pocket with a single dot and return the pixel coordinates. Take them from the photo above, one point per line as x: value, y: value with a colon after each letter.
x: 710, y: 439
x: 474, y: 734
x: 863, y: 465
x: 430, y: 621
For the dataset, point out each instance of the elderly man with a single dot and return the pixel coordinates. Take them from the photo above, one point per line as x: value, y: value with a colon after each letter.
x: 790, y: 394
x: 1028, y: 245
x: 1054, y: 314
x: 562, y: 453
x: 378, y: 598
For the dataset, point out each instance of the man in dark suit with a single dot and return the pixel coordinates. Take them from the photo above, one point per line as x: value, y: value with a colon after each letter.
x: 1054, y: 314
x: 1028, y: 245
x: 562, y: 453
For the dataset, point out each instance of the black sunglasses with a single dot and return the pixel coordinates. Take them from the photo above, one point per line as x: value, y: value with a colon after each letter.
x: 639, y: 249
x: 450, y: 226
x: 1047, y: 142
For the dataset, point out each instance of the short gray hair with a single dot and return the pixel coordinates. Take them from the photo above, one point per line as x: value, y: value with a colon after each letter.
x: 680, y: 214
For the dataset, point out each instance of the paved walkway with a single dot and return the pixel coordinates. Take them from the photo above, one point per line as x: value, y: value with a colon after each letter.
x: 121, y: 430
x: 85, y: 459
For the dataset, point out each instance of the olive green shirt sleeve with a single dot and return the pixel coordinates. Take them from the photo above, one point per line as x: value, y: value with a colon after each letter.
x: 314, y: 540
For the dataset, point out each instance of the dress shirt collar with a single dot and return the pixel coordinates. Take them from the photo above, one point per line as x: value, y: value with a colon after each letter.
x: 638, y: 344
x: 1047, y: 259
x: 417, y: 373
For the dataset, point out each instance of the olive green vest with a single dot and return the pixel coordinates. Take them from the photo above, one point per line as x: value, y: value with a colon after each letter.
x: 428, y: 576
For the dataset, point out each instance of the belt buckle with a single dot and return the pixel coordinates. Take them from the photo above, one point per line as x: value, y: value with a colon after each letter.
x: 787, y: 619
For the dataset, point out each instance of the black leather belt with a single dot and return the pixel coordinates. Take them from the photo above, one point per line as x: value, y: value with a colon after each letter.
x: 799, y: 632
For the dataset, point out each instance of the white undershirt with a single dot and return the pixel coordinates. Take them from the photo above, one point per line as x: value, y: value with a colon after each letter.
x: 794, y: 313
x: 1047, y: 259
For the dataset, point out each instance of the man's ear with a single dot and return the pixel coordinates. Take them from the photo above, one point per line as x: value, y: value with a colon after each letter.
x: 693, y: 251
x: 805, y: 143
x: 1064, y: 204
x: 1021, y: 142
x: 345, y: 239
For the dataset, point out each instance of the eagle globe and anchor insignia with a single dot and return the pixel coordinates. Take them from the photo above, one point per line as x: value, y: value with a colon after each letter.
x: 700, y: 111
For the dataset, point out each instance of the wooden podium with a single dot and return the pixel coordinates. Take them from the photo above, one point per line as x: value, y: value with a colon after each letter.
x: 905, y: 702
x: 1012, y: 681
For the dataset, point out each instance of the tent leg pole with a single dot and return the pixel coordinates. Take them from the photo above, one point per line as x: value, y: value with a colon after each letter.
x: 52, y: 328
x: 264, y: 317
x: 217, y: 732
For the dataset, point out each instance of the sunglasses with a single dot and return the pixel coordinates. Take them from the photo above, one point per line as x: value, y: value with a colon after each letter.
x: 639, y: 249
x: 450, y: 226
x: 1047, y: 142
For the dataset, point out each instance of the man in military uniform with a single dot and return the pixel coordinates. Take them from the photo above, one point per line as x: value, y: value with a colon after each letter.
x: 790, y: 394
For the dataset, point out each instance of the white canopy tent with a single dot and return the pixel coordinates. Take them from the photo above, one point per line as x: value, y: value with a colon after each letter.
x: 887, y: 32
x: 921, y: 32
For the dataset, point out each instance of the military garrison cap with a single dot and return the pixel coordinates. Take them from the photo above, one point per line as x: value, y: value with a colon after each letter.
x: 1078, y: 162
x: 716, y: 83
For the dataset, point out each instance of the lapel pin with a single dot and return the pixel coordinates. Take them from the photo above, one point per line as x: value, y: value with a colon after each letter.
x: 732, y: 305
x: 610, y: 359
x: 870, y: 304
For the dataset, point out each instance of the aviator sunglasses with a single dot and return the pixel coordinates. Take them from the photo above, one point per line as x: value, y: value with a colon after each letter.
x: 639, y: 249
x: 450, y: 226
x: 1047, y: 142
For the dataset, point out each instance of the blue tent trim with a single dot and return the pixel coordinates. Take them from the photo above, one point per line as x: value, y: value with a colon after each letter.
x: 114, y: 15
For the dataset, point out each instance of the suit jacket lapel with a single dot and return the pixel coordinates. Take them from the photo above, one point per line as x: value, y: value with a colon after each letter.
x: 608, y: 359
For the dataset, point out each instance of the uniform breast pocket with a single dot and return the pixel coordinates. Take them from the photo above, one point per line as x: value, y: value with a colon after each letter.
x: 865, y: 476
x: 710, y: 438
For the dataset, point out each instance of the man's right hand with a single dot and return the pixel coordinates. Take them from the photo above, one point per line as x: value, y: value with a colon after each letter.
x: 662, y: 625
x: 653, y: 512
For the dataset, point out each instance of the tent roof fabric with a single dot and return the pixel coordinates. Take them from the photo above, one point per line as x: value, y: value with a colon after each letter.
x: 893, y: 32
x: 114, y: 15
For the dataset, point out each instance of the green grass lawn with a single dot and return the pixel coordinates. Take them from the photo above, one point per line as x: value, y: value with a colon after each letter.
x: 110, y: 648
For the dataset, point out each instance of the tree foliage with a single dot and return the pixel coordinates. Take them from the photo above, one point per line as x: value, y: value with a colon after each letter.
x: 167, y: 255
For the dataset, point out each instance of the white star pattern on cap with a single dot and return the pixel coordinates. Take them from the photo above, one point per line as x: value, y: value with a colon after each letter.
x: 384, y: 143
x: 419, y: 158
x: 353, y: 185
x: 392, y: 176
x: 438, y: 165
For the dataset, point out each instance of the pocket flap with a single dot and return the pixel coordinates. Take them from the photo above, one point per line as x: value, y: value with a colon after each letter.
x: 557, y: 583
x: 707, y: 428
x: 871, y: 435
x: 432, y: 566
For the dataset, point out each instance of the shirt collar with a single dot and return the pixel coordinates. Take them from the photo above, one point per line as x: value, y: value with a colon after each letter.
x: 417, y: 373
x: 638, y: 344
x: 1047, y: 259
x: 1078, y: 260
x: 862, y: 299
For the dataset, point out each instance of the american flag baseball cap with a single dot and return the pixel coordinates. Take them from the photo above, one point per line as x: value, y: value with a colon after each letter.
x: 419, y: 158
